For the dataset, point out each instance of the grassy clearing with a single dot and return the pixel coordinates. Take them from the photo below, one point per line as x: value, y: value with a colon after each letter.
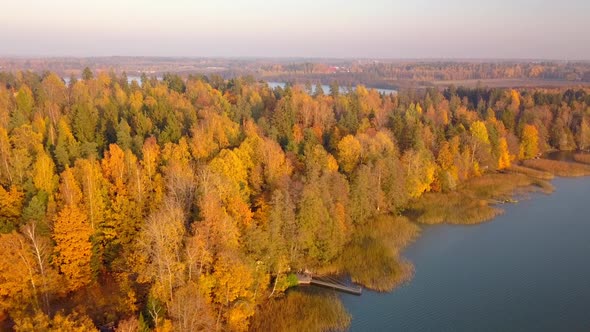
x: 372, y: 258
x: 474, y: 202
x: 301, y: 311
x: 583, y: 158
x: 559, y: 168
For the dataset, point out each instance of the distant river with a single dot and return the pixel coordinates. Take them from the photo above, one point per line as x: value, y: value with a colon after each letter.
x: 527, y: 270
x: 326, y: 88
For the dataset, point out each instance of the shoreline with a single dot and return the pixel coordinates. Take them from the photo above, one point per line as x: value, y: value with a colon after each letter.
x: 489, y: 190
x: 477, y: 200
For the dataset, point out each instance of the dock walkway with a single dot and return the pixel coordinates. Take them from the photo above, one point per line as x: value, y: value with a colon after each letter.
x: 307, y: 279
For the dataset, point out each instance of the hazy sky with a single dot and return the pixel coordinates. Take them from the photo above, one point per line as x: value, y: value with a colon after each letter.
x: 309, y: 28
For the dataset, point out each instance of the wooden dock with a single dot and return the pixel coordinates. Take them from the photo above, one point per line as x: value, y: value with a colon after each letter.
x: 306, y: 279
x: 303, y: 279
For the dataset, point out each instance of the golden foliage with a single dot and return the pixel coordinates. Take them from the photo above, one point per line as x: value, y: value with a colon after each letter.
x: 420, y: 170
x: 529, y: 145
x: 349, y: 153
x: 211, y: 134
x: 161, y: 243
x: 11, y: 204
x: 18, y: 278
x: 44, y: 176
x: 505, y: 158
x: 73, y: 322
x: 71, y: 233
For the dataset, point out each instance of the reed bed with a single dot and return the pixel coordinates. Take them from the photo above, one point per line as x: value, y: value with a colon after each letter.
x: 476, y: 201
x: 531, y: 172
x: 302, y: 311
x: 373, y: 260
x: 583, y: 158
x: 559, y: 168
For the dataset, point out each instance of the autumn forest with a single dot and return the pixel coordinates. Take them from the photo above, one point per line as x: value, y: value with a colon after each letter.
x: 188, y: 203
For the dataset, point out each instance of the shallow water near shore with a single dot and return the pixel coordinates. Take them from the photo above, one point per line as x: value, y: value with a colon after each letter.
x: 528, y: 269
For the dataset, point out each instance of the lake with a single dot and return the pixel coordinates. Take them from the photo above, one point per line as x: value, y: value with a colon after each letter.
x: 326, y: 88
x: 130, y: 79
x: 527, y: 270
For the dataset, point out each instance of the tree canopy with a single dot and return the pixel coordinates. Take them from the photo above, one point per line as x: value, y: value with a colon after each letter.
x: 120, y: 202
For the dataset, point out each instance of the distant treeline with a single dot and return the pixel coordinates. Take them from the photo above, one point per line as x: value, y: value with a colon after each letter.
x: 378, y: 73
x: 443, y: 71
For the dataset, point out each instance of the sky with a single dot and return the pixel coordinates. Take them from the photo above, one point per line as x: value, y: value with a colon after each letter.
x: 432, y: 29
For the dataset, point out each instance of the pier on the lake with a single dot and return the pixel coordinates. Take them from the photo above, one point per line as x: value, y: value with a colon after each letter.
x: 308, y: 279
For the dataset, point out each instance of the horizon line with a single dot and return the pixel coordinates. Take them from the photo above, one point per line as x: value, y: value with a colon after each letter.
x: 292, y: 57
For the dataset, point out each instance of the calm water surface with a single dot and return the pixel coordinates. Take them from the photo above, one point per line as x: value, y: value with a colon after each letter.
x: 326, y: 88
x: 527, y: 270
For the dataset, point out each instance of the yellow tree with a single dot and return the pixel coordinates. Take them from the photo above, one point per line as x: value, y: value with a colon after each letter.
x: 179, y: 174
x: 113, y: 164
x: 5, y: 102
x: 349, y: 153
x: 233, y: 291
x: 191, y: 310
x: 419, y: 172
x: 73, y: 250
x: 529, y: 142
x: 26, y: 143
x: 122, y: 217
x: 44, y: 177
x: 229, y: 164
x: 74, y: 322
x: 160, y: 245
x: 232, y: 167
x: 5, y: 156
x: 217, y: 230
x: 71, y: 233
x: 67, y: 149
x: 54, y: 95
x: 213, y: 133
x: 448, y: 174
x: 40, y: 246
x: 479, y: 131
x: 24, y: 107
x: 151, y: 157
x: 505, y: 158
x: 11, y: 204
x: 18, y: 277
x: 514, y: 100
x: 89, y: 175
x: 276, y: 166
x: 94, y: 202
x: 583, y: 135
x: 69, y: 190
x: 152, y: 178
x: 480, y: 144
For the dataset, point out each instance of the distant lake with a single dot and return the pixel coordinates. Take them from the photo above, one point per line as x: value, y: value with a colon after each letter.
x: 326, y: 88
x: 527, y: 270
x: 272, y: 85
x: 129, y: 79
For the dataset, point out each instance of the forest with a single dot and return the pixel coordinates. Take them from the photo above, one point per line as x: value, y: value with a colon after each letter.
x: 186, y: 204
x: 377, y: 73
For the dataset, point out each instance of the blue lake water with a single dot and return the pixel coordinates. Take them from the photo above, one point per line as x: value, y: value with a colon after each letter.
x: 527, y: 270
x: 130, y: 79
x: 326, y: 88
